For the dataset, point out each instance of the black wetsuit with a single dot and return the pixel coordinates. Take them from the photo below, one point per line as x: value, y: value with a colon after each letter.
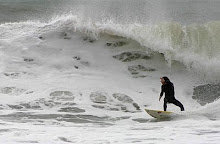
x: 168, y: 89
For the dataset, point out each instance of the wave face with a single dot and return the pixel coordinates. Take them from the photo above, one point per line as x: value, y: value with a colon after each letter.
x: 196, y: 45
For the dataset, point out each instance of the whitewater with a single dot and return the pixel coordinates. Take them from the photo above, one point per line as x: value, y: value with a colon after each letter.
x: 84, y: 71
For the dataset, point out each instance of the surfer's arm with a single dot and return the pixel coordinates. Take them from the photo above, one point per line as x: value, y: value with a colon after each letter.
x: 161, y: 93
x: 160, y: 97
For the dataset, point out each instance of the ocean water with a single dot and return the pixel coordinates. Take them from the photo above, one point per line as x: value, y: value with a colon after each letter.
x: 80, y: 71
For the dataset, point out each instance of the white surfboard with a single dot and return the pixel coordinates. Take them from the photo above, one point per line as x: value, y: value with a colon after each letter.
x: 159, y: 114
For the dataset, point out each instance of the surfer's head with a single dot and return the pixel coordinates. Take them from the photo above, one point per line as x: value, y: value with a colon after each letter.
x: 164, y: 79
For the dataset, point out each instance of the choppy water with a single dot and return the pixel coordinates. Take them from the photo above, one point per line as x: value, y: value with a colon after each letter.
x: 141, y: 11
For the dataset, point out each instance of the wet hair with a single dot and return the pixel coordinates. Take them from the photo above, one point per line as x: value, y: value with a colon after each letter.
x: 166, y: 78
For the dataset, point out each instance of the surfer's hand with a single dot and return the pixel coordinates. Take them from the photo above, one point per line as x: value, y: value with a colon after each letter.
x: 159, y: 98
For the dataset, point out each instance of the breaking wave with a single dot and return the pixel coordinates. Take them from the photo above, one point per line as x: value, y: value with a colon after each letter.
x: 194, y: 45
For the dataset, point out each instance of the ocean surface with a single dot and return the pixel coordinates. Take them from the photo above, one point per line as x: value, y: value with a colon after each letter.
x: 83, y: 71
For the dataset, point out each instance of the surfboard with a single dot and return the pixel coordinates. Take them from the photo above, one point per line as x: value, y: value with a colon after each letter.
x: 159, y: 114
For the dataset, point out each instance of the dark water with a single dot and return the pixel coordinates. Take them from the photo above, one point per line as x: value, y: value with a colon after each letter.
x: 25, y: 10
x: 123, y: 11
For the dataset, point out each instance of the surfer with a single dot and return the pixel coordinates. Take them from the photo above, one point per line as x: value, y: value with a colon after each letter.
x: 168, y: 88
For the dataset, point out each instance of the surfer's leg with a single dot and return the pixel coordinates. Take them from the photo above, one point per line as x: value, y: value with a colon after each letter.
x: 165, y: 104
x: 179, y: 104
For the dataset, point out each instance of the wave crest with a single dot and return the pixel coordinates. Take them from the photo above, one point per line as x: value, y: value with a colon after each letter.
x: 197, y: 46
